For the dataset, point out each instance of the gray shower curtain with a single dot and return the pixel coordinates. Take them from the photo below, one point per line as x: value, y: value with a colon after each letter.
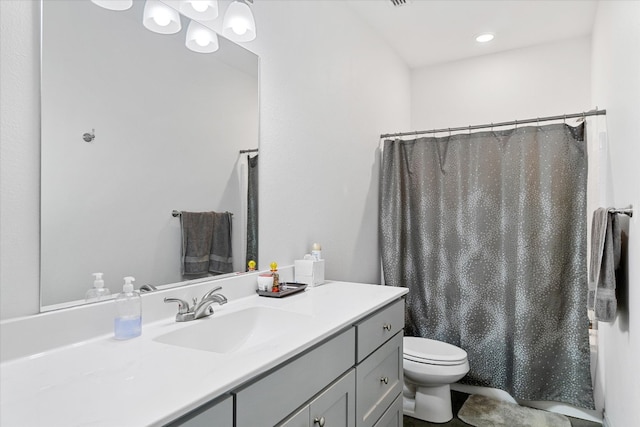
x: 488, y: 232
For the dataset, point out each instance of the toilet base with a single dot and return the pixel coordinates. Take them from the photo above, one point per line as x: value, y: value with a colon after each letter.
x: 432, y: 404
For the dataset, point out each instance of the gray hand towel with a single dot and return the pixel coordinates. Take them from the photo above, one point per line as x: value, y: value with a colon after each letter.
x: 220, y: 258
x: 605, y: 258
x: 197, y: 232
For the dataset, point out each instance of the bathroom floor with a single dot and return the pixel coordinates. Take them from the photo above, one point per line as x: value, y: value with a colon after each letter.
x: 458, y: 399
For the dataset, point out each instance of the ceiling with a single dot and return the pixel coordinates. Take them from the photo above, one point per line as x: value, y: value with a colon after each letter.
x: 427, y: 32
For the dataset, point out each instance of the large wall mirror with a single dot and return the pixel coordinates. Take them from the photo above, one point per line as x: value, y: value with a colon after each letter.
x: 169, y: 125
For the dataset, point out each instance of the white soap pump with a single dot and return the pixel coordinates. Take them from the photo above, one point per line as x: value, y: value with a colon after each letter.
x: 98, y: 292
x: 128, y: 321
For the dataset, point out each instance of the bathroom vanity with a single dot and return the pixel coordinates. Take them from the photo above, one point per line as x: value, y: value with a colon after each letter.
x: 331, y: 355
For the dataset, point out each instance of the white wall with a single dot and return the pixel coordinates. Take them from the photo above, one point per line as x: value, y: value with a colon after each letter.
x: 616, y: 87
x: 542, y: 80
x: 329, y: 88
x: 327, y: 92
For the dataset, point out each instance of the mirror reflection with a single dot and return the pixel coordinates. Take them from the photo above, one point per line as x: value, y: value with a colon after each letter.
x: 135, y: 126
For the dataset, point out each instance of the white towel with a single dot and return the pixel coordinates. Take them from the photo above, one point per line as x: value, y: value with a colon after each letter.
x: 605, y: 258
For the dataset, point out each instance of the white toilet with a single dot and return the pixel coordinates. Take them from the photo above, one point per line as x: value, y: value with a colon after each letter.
x: 429, y: 368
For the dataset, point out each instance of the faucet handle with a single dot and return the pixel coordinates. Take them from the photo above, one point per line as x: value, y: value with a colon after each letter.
x: 211, y: 292
x: 183, y: 306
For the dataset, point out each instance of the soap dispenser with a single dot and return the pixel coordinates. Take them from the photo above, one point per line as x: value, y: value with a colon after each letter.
x: 128, y: 321
x: 98, y: 292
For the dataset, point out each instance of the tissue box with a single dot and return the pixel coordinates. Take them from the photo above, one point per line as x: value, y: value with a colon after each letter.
x: 309, y: 271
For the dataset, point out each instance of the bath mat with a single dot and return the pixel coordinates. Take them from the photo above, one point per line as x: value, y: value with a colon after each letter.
x: 481, y: 411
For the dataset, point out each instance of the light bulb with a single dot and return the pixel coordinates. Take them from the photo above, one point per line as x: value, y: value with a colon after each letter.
x: 199, y: 5
x: 162, y: 18
x: 239, y: 27
x: 114, y: 4
x: 201, y: 39
x: 200, y: 10
x: 238, y: 24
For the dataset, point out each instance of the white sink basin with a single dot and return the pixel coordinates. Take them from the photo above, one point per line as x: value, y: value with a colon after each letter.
x: 235, y: 331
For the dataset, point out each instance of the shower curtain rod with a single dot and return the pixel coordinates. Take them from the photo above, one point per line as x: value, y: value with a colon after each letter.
x: 250, y: 150
x: 584, y: 114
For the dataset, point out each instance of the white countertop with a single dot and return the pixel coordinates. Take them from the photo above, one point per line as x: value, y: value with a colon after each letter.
x: 141, y: 382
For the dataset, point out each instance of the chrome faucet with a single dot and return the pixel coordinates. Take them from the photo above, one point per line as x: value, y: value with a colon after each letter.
x: 200, y: 309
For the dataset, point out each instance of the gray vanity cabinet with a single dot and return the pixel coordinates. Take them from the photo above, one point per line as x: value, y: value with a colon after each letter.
x: 393, y: 416
x: 218, y: 413
x: 334, y: 407
x: 270, y: 399
x: 379, y: 375
x: 352, y: 379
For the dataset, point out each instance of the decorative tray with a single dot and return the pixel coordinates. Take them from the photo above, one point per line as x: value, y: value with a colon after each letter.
x: 286, y: 289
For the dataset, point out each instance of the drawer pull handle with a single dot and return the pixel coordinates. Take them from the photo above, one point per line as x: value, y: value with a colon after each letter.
x: 319, y: 421
x: 384, y: 380
x: 386, y: 326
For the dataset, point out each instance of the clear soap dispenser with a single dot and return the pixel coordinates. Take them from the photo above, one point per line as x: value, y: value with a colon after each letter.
x: 128, y: 321
x: 98, y: 292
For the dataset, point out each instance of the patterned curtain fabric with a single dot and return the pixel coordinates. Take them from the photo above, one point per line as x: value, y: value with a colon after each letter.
x: 252, y: 210
x: 488, y: 232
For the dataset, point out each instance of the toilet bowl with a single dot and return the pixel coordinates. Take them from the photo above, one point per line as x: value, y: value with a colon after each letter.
x: 430, y: 367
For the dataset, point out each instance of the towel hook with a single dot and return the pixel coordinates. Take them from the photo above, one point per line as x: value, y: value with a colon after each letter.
x: 88, y: 137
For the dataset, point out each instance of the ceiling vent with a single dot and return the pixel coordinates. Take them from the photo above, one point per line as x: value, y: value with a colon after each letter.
x: 398, y: 3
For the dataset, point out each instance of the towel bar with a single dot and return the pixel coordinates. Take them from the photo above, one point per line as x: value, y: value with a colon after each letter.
x: 624, y: 211
x: 175, y: 213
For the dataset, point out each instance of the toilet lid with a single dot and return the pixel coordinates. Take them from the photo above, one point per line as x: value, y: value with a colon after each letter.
x: 425, y: 350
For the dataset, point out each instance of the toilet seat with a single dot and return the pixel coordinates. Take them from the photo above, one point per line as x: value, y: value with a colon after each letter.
x: 432, y: 352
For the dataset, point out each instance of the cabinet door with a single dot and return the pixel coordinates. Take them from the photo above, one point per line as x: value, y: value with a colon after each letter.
x: 299, y: 419
x: 379, y: 381
x: 393, y: 416
x: 336, y: 406
x: 218, y: 413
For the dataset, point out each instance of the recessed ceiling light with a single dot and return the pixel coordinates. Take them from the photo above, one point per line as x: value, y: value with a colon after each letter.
x: 486, y: 37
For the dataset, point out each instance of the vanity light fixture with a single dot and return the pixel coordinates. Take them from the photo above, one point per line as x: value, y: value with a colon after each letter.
x: 114, y: 4
x: 484, y: 38
x: 160, y: 18
x: 201, y: 39
x: 238, y: 23
x: 202, y: 10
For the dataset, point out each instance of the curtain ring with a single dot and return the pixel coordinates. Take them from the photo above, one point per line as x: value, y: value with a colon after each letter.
x: 449, y: 132
x: 538, y: 121
x: 491, y: 126
x: 516, y: 123
x: 469, y: 129
x: 564, y: 119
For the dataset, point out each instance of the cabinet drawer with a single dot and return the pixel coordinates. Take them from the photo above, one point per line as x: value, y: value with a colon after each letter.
x: 393, y: 416
x: 271, y: 398
x: 378, y: 381
x: 378, y: 328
